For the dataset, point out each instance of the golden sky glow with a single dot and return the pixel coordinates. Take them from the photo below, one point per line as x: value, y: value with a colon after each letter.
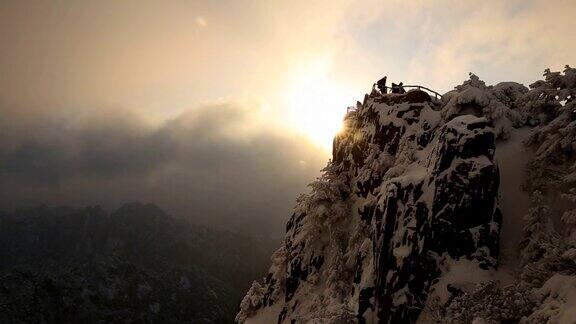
x: 306, y: 60
x: 316, y: 102
x: 224, y: 110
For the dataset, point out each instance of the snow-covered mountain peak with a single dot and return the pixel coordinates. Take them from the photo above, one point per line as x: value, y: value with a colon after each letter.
x: 405, y: 220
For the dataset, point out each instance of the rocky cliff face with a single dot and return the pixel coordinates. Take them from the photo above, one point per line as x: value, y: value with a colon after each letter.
x: 404, y: 224
x: 410, y: 189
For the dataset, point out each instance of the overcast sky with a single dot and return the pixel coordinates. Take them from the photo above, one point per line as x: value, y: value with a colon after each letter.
x: 225, y: 109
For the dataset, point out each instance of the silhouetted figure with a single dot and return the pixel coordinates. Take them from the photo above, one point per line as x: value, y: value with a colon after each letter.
x: 401, y: 88
x: 398, y: 88
x: 382, y: 85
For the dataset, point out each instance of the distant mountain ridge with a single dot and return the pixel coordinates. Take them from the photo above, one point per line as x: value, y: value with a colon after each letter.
x: 137, y: 264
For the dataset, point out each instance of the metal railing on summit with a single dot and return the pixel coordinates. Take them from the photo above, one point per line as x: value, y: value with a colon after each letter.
x: 419, y: 87
x: 353, y: 109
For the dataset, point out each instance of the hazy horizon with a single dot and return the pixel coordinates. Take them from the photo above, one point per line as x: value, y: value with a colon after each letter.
x: 224, y: 111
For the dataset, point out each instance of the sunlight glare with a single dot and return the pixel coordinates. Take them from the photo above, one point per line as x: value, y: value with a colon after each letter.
x: 317, y: 103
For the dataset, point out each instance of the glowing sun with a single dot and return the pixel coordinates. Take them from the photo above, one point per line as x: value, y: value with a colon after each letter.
x: 317, y: 103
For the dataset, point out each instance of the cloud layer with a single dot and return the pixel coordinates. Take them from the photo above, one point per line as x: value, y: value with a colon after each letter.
x: 219, y: 164
x: 95, y: 95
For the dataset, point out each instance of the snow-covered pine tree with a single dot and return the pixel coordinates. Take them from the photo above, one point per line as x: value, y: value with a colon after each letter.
x: 569, y: 217
x: 536, y: 231
x: 542, y: 248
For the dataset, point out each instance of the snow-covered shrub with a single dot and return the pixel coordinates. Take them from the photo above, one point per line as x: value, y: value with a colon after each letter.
x: 509, y: 93
x: 545, y: 99
x: 496, y: 103
x: 252, y: 301
x: 551, y: 103
x: 493, y: 304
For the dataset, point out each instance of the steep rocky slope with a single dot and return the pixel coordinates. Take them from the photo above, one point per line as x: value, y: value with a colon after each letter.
x: 404, y: 225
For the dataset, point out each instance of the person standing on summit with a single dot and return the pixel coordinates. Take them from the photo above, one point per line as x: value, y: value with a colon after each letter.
x: 398, y: 88
x: 382, y: 85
